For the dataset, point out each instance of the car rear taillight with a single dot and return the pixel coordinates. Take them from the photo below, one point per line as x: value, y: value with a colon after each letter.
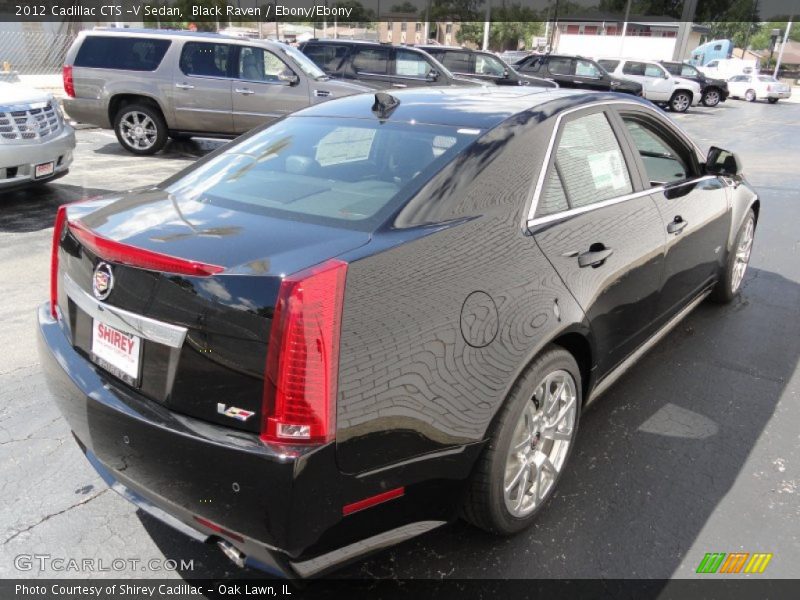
x: 58, y: 231
x: 300, y: 383
x: 69, y: 85
x: 138, y: 257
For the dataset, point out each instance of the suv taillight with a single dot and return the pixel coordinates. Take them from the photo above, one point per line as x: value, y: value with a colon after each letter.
x: 58, y: 231
x: 300, y: 383
x: 69, y: 85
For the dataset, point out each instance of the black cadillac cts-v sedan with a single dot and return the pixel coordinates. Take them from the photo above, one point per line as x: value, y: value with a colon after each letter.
x: 385, y: 311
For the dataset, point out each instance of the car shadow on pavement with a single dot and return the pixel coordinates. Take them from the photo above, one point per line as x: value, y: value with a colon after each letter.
x: 189, y: 148
x: 33, y: 208
x: 654, y: 458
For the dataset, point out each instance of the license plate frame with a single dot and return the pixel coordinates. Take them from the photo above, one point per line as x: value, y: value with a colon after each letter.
x: 45, y: 169
x: 108, y: 351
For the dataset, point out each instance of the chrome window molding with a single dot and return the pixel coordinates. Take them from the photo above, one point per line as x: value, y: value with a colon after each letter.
x: 533, y: 221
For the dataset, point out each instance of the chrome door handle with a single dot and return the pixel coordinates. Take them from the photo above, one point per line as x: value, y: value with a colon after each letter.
x: 595, y: 256
x: 244, y: 91
x: 184, y: 86
x: 677, y: 225
x: 399, y: 85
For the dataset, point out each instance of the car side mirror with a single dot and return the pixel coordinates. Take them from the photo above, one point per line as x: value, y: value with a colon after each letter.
x: 506, y: 74
x: 288, y: 77
x: 432, y: 75
x: 722, y: 162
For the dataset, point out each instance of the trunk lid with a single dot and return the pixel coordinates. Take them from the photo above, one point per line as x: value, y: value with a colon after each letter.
x: 214, y: 368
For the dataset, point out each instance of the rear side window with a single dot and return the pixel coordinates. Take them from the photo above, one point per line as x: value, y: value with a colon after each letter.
x: 205, y: 59
x: 634, y: 68
x: 372, y: 60
x: 124, y: 53
x: 589, y: 167
x: 560, y: 66
x: 328, y: 57
x: 458, y: 62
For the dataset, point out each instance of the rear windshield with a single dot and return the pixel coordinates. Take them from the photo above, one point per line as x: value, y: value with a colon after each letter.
x: 124, y: 53
x: 344, y: 172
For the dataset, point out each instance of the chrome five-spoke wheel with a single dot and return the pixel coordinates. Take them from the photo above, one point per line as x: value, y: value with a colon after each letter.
x: 742, y: 258
x: 540, y: 444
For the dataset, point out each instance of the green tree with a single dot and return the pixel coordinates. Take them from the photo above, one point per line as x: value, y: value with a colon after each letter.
x: 762, y: 39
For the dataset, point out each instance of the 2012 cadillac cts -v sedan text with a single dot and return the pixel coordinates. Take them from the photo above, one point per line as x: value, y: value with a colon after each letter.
x: 349, y: 327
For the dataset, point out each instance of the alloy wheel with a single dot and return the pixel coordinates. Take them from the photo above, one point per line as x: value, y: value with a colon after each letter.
x: 742, y: 257
x: 540, y: 444
x: 750, y: 96
x: 680, y: 102
x: 712, y: 98
x: 138, y: 130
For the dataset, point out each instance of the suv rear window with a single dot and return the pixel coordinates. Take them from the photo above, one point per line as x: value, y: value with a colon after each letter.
x: 125, y: 53
x: 333, y: 171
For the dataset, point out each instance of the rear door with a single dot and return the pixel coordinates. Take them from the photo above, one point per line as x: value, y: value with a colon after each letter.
x: 602, y: 232
x: 561, y: 69
x: 694, y: 207
x: 203, y: 87
x: 266, y: 89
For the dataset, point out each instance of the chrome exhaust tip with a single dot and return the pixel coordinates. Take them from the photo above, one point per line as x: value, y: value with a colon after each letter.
x: 237, y: 556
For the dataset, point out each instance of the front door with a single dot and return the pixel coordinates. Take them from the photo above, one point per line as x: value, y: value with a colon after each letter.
x: 694, y: 207
x: 656, y: 83
x: 603, y: 234
x: 202, y: 88
x: 370, y: 66
x: 266, y: 89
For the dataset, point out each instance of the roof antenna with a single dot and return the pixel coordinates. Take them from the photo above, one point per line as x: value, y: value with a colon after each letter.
x: 384, y: 105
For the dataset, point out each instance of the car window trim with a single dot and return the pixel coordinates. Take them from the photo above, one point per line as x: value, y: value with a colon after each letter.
x: 636, y: 176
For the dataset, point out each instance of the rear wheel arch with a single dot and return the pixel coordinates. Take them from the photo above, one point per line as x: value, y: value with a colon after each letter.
x: 119, y: 101
x: 574, y: 340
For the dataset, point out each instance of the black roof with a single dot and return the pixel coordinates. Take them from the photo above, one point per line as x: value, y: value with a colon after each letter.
x: 473, y: 107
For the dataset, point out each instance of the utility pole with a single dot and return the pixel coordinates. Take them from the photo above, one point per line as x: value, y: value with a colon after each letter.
x: 487, y: 25
x: 783, y: 47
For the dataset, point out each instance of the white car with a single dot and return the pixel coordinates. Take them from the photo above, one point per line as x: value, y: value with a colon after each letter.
x: 36, y: 143
x: 756, y: 86
x: 658, y: 85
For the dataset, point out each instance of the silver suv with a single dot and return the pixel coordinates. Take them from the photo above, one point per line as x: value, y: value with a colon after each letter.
x: 35, y: 143
x: 149, y: 85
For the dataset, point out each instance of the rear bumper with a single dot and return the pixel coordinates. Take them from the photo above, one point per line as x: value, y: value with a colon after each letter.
x: 281, y: 507
x: 18, y: 161
x: 87, y: 110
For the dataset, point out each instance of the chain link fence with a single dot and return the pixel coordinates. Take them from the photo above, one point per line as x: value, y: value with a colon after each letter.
x: 33, y: 52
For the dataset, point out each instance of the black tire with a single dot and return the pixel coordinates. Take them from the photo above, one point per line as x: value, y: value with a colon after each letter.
x: 484, y: 504
x: 773, y: 100
x: 711, y: 97
x: 681, y: 101
x: 153, y: 144
x: 724, y: 291
x: 750, y: 96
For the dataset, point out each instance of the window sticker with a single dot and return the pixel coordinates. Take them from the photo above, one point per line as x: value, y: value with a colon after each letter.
x: 608, y: 170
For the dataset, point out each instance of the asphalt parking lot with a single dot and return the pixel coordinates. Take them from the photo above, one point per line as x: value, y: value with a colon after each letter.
x: 696, y: 450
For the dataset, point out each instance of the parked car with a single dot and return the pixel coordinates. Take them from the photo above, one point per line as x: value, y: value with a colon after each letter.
x: 379, y: 65
x: 36, y: 143
x: 483, y: 66
x: 713, y: 91
x: 657, y: 84
x: 331, y: 335
x: 757, y: 86
x: 148, y: 85
x: 576, y: 72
